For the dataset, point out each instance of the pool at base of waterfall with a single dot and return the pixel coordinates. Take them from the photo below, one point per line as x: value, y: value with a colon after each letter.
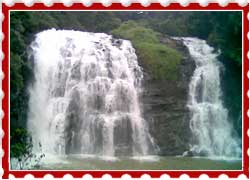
x: 91, y: 162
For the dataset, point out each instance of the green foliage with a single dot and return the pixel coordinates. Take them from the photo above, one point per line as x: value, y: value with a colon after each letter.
x: 160, y: 60
x: 21, y: 143
x: 130, y: 30
x: 15, y: 73
x: 227, y: 35
x: 21, y: 148
x: 222, y: 29
x: 170, y: 24
x: 200, y: 24
x: 105, y: 21
x: 173, y: 28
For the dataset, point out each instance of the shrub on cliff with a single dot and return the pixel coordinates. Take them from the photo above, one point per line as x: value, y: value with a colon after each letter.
x: 160, y: 60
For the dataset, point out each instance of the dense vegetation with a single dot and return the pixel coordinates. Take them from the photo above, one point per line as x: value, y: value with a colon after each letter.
x: 159, y: 59
x: 221, y: 29
x: 21, y: 149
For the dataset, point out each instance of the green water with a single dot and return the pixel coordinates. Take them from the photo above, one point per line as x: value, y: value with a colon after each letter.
x: 147, y: 163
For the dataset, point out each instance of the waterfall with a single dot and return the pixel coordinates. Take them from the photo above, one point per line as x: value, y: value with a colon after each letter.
x: 213, y: 134
x: 85, y: 95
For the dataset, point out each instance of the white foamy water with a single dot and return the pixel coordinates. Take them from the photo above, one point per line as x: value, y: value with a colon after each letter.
x: 213, y: 134
x: 85, y: 95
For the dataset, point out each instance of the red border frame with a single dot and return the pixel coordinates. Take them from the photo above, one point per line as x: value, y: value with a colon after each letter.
x: 134, y: 173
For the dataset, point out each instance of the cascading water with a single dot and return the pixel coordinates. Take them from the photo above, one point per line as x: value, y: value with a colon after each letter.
x: 213, y: 134
x: 85, y: 95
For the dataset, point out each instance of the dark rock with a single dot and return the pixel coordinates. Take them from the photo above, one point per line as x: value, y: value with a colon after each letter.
x: 72, y: 138
x: 123, y: 137
x: 116, y: 42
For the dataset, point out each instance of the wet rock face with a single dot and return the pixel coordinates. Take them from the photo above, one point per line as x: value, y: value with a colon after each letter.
x: 123, y: 137
x: 73, y: 121
x: 165, y: 106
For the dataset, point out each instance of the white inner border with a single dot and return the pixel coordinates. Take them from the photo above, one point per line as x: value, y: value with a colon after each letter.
x: 242, y: 81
